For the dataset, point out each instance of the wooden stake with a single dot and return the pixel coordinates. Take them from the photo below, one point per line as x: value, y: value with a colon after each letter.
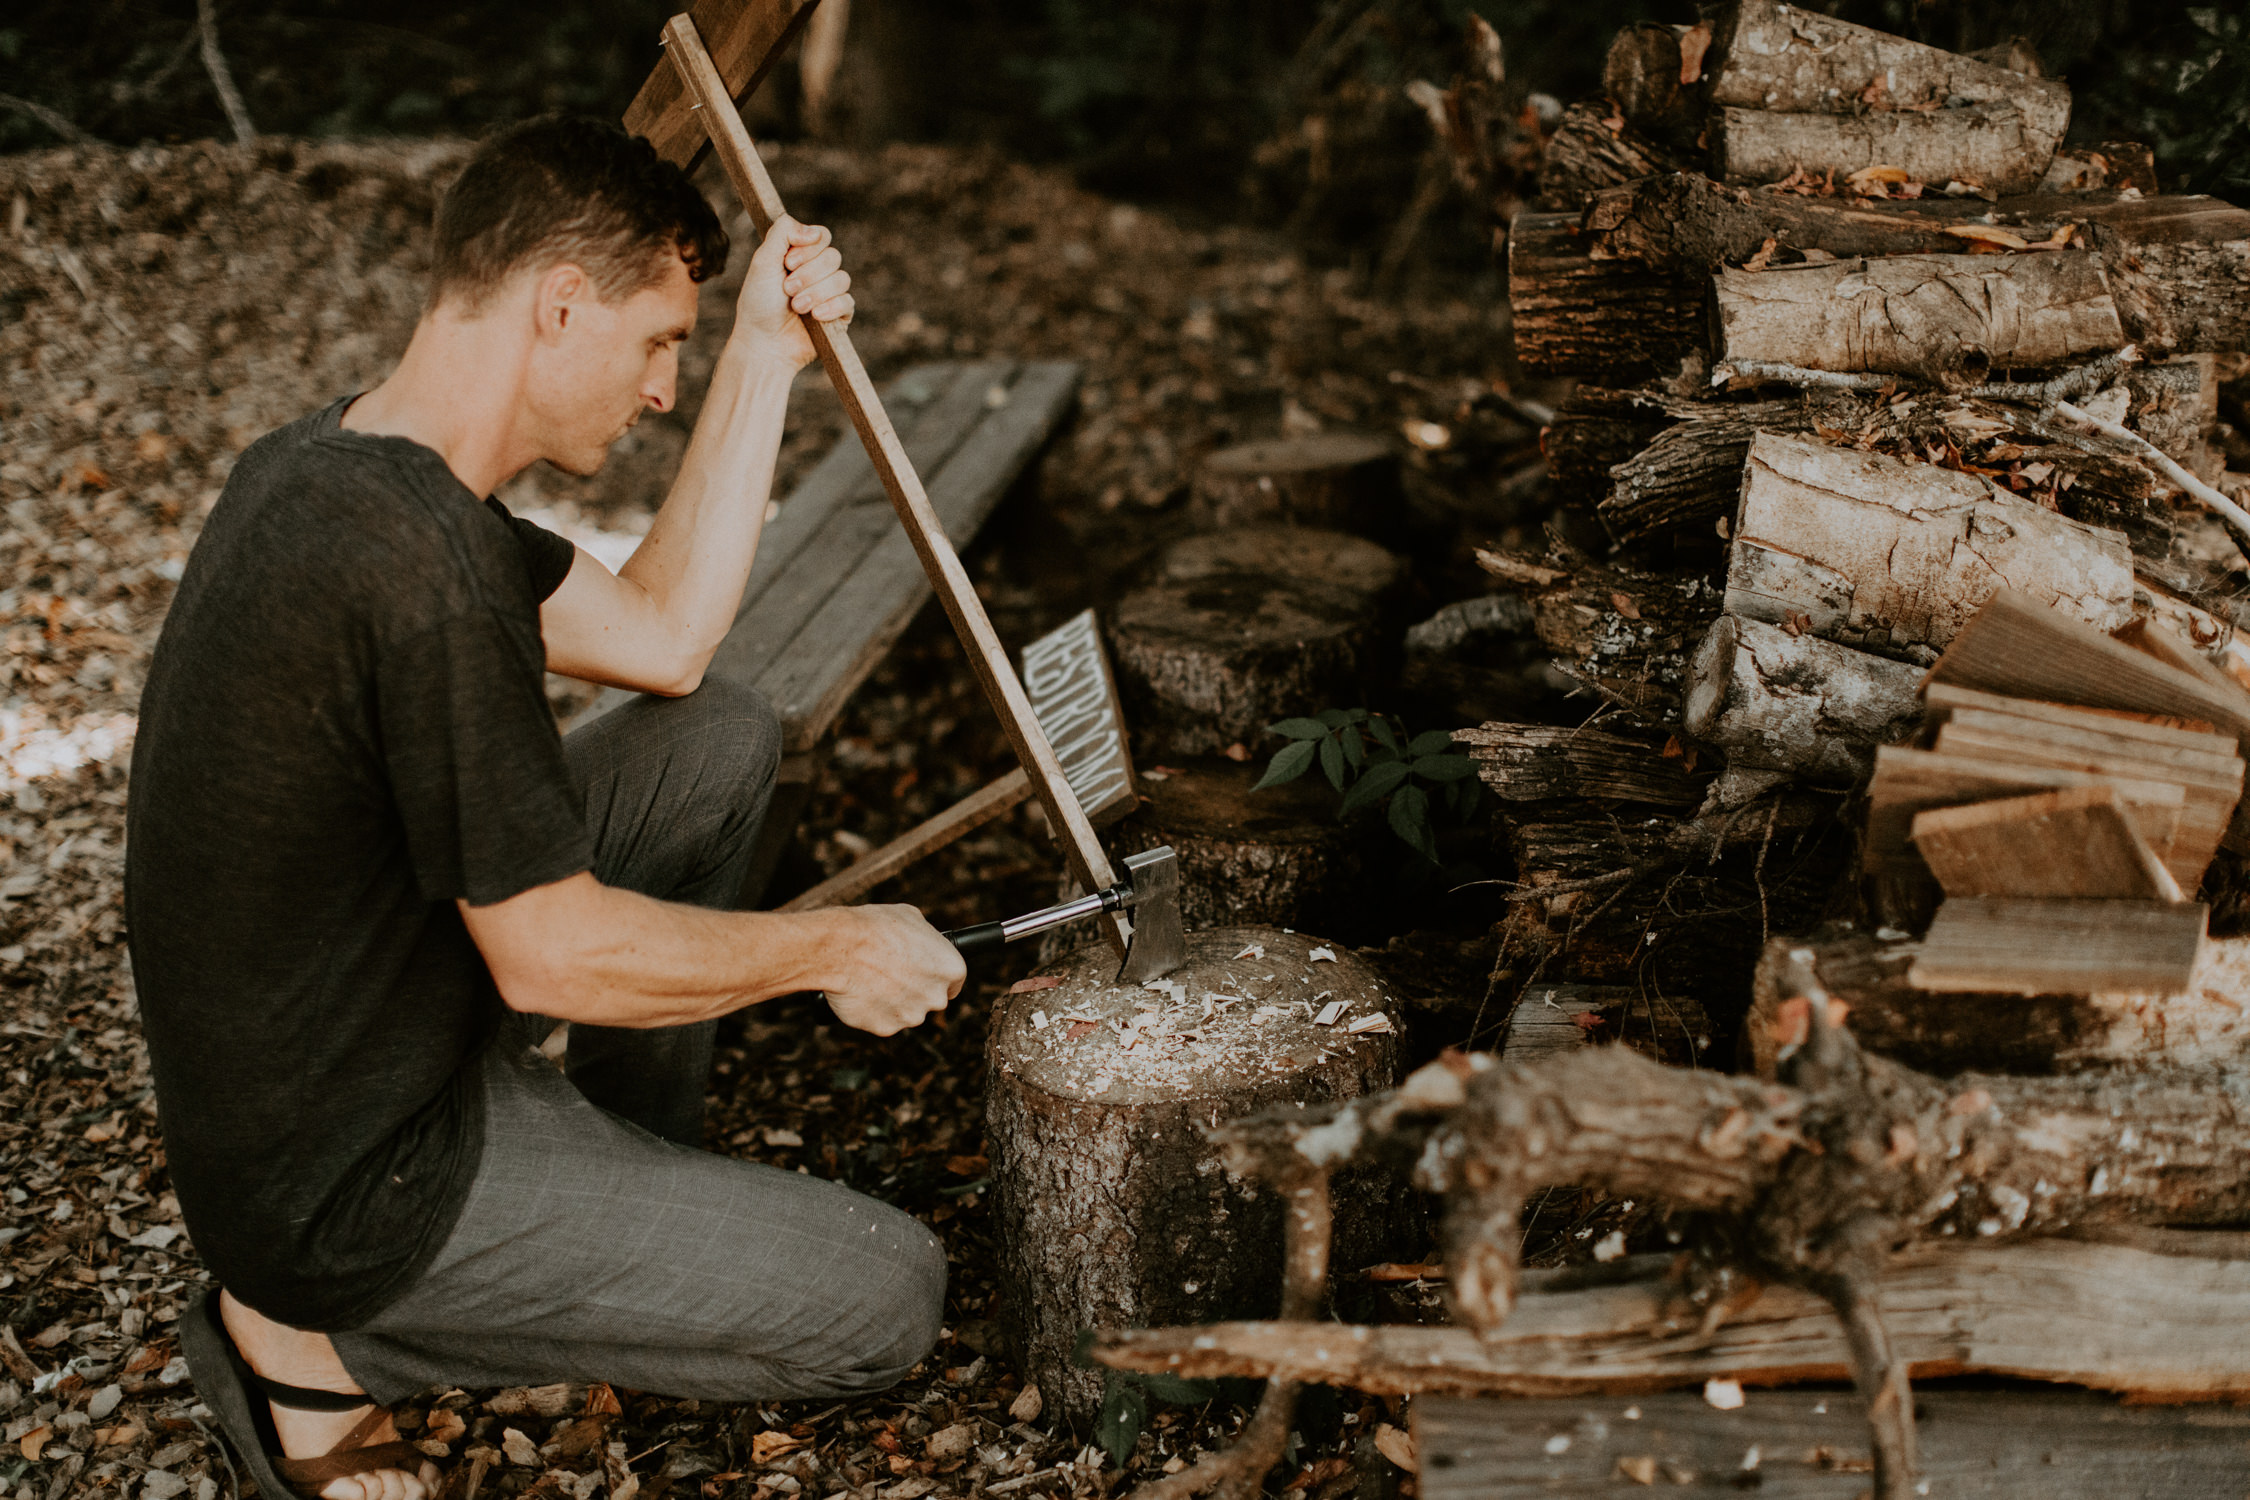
x: 1089, y: 866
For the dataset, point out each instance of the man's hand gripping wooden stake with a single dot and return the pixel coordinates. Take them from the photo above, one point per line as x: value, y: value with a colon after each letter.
x: 1089, y: 865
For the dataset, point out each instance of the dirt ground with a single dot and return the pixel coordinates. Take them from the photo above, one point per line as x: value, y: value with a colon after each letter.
x: 161, y: 308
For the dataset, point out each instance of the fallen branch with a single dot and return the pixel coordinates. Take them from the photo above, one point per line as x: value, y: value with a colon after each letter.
x: 2085, y: 378
x: 2237, y: 519
x: 222, y: 77
x: 60, y: 124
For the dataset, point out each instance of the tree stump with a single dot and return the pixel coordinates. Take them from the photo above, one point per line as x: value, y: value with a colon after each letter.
x: 1210, y: 662
x: 1349, y: 562
x: 1277, y: 857
x: 1345, y: 481
x: 1114, y: 1209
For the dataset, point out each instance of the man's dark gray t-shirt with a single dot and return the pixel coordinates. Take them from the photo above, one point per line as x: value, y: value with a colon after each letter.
x: 344, y: 731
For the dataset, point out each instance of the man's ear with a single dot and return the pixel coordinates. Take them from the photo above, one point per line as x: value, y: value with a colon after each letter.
x: 559, y: 298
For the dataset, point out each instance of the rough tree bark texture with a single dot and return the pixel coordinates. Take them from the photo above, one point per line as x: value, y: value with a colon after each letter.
x: 1999, y: 147
x: 2178, y: 266
x: 1689, y: 477
x: 1345, y: 481
x: 1776, y: 701
x: 1210, y: 662
x: 1895, y: 557
x: 1950, y: 317
x: 1278, y: 858
x: 1114, y: 1208
x: 1623, y: 632
x: 1592, y: 149
x: 1770, y: 56
x: 2026, y: 1034
x: 1575, y: 315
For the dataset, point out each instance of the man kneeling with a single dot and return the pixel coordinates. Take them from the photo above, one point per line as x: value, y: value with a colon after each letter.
x: 366, y: 877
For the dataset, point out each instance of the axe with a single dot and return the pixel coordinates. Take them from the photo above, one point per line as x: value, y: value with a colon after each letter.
x: 1150, y: 889
x: 691, y: 100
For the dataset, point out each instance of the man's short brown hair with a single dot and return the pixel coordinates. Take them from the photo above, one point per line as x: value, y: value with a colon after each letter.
x: 571, y: 189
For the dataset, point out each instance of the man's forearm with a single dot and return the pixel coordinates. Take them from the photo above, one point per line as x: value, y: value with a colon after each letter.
x: 696, y: 558
x: 579, y: 950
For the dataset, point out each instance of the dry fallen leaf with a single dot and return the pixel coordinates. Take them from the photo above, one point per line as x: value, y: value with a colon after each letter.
x: 34, y: 1442
x: 1396, y: 1446
x: 1764, y: 257
x: 1987, y: 235
x: 770, y: 1445
x: 1035, y: 983
x: 1027, y: 1405
x: 1694, y: 42
x: 1625, y: 606
x: 1639, y: 1468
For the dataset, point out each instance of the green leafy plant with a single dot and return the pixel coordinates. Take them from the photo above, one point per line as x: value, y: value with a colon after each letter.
x: 1371, y: 759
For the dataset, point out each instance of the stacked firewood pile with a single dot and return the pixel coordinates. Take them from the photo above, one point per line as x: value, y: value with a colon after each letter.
x: 1896, y: 557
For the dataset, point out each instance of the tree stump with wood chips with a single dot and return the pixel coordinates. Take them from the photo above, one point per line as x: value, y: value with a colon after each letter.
x: 1344, y: 481
x: 1114, y: 1210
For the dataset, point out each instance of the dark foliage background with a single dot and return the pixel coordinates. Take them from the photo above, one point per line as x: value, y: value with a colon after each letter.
x: 1285, y: 112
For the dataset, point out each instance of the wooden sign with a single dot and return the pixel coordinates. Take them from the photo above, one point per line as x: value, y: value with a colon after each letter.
x: 1074, y: 697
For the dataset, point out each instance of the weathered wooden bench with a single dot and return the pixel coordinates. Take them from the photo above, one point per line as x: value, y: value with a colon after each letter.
x: 837, y: 582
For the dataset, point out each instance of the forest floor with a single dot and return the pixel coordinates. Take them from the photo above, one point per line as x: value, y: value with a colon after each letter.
x: 163, y: 307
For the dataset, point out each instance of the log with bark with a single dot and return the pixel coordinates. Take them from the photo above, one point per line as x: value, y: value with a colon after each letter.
x: 1778, y: 701
x: 1999, y: 148
x: 2159, y: 1323
x: 2207, y: 1025
x: 1540, y: 763
x: 1895, y: 557
x: 1623, y: 633
x: 1112, y: 1206
x: 1612, y: 319
x: 1785, y: 62
x: 1952, y: 318
x: 1593, y: 149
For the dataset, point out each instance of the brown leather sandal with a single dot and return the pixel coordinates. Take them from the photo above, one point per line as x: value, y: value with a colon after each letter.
x: 238, y: 1397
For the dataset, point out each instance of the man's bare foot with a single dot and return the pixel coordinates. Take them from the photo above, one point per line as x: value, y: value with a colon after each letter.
x: 296, y: 1357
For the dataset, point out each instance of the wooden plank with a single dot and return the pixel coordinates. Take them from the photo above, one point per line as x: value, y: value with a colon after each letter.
x: 2019, y: 647
x: 2161, y: 1323
x: 1943, y: 699
x: 809, y: 680
x: 2018, y: 946
x: 2212, y: 762
x: 851, y: 530
x: 745, y: 38
x: 2077, y: 842
x: 1813, y: 1445
x: 923, y: 839
x: 1082, y: 849
x: 1907, y: 782
x: 1067, y: 675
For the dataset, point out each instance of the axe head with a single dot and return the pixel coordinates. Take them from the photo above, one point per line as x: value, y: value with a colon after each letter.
x: 1158, y: 945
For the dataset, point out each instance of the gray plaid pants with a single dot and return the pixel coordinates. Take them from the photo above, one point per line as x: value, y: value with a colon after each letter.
x: 597, y: 1243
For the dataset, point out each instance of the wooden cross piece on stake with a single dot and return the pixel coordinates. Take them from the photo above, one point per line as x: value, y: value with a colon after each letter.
x: 688, y: 99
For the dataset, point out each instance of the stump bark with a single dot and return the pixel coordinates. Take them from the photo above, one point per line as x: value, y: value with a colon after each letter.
x: 1210, y: 662
x: 1344, y: 481
x: 1114, y: 1210
x: 1277, y: 858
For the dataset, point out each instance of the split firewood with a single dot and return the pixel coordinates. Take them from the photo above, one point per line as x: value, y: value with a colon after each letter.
x: 1538, y: 763
x: 2076, y: 843
x: 1576, y: 315
x: 1896, y: 557
x: 1778, y: 701
x: 1592, y: 149
x: 1109, y: 1198
x: 1624, y: 633
x: 1981, y: 945
x: 1688, y: 478
x: 1342, y: 481
x: 2202, y: 1026
x: 1785, y: 62
x: 1596, y: 428
x: 1654, y: 74
x: 1954, y: 318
